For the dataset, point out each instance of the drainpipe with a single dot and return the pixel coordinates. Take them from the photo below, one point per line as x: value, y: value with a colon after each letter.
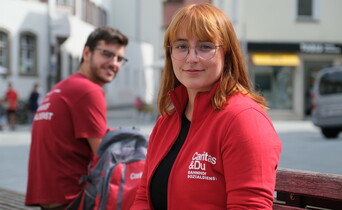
x: 51, y: 54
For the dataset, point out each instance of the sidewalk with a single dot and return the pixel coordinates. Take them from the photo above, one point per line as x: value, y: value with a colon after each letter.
x: 15, y: 145
x: 14, y: 149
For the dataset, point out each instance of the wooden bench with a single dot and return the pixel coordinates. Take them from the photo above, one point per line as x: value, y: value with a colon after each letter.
x: 11, y: 200
x: 296, y: 189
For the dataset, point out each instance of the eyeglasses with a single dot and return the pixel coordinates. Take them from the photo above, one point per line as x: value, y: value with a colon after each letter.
x: 205, y: 50
x: 108, y: 55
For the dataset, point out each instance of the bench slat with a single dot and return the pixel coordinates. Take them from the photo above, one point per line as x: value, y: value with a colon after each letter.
x: 282, y: 207
x: 309, y: 183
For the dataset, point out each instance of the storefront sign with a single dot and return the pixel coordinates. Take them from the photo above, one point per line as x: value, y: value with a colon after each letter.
x: 320, y: 48
x: 303, y: 47
x: 275, y: 59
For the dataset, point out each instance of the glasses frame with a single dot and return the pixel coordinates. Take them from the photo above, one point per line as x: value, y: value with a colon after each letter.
x: 170, y: 48
x: 119, y: 59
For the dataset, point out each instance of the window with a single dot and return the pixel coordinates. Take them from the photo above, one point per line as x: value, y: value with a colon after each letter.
x: 275, y: 83
x: 331, y: 83
x: 4, y: 53
x: 307, y: 9
x: 28, y: 54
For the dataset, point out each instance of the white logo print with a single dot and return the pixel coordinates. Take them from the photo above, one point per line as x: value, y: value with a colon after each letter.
x: 135, y: 175
x: 198, y: 166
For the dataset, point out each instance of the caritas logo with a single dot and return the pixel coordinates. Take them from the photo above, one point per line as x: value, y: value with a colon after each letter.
x: 199, y: 160
x: 135, y: 175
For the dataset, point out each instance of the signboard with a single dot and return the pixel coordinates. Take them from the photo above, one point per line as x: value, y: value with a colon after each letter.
x: 302, y: 47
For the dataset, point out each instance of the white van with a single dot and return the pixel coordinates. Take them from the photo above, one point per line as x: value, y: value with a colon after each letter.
x: 327, y: 101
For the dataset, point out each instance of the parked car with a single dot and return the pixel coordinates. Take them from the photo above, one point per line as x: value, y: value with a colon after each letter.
x: 327, y: 101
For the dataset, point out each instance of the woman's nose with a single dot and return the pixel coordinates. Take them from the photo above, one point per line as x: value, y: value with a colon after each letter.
x: 192, y: 54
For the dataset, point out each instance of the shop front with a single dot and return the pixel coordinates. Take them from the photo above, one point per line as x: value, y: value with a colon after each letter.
x: 284, y: 73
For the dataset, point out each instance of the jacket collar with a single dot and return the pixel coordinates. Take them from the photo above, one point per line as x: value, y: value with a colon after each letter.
x: 203, y: 105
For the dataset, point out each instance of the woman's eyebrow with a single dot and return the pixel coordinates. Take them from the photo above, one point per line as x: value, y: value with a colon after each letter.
x: 180, y: 40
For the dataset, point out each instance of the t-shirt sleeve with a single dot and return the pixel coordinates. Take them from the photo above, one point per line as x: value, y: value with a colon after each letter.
x: 89, y: 115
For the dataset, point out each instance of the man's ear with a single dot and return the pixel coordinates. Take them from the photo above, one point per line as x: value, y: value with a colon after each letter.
x: 86, y: 53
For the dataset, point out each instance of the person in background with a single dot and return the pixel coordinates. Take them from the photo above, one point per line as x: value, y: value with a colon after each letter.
x: 139, y: 104
x: 213, y: 147
x: 11, y: 99
x: 33, y: 102
x: 71, y: 121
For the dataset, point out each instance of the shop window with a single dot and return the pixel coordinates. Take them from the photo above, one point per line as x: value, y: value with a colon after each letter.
x: 4, y: 53
x: 307, y: 10
x: 275, y: 83
x: 28, y: 54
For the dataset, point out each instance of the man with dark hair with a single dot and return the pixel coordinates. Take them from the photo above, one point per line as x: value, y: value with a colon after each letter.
x: 71, y: 121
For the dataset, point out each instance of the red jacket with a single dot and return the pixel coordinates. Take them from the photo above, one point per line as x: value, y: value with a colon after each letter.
x: 228, y: 160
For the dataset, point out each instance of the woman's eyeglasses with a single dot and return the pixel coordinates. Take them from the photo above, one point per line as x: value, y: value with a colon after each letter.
x: 205, y: 50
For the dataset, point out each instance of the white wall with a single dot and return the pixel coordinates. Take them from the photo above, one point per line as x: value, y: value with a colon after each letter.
x: 135, y: 78
x: 141, y: 21
x: 17, y: 16
x: 269, y: 20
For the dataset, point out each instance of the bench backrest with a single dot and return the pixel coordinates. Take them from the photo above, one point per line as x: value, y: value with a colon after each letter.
x: 296, y: 189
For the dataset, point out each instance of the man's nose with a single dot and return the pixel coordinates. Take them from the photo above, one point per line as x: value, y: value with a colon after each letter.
x: 114, y: 61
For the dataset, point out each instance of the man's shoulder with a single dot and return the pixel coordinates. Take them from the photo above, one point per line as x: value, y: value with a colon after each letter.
x: 78, y: 82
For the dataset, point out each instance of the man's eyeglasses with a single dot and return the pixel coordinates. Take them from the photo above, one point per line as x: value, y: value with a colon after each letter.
x: 108, y: 55
x: 205, y: 50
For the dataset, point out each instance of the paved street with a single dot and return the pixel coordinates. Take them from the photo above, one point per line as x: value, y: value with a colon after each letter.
x: 14, y: 147
x: 303, y: 148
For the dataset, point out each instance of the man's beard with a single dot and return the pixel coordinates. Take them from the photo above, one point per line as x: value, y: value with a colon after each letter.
x: 96, y: 73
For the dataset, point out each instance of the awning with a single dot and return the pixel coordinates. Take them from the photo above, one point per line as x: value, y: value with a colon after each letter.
x: 275, y: 59
x: 77, y: 37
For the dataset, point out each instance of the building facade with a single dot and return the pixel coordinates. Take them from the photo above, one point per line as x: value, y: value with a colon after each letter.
x: 41, y: 41
x: 285, y: 44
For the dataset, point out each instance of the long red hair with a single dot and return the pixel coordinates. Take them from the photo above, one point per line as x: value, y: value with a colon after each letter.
x: 206, y: 22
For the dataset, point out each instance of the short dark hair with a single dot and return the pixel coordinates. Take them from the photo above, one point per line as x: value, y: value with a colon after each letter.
x: 107, y: 34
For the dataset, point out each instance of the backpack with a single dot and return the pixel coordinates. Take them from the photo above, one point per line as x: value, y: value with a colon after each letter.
x: 115, y: 172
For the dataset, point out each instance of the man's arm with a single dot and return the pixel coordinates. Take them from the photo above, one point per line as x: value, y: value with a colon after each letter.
x: 94, y: 144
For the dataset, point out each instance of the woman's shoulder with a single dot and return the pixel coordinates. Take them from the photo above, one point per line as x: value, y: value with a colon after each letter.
x: 240, y: 104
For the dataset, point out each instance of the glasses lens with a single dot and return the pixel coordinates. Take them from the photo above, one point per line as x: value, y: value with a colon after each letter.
x: 204, y: 50
x: 179, y: 50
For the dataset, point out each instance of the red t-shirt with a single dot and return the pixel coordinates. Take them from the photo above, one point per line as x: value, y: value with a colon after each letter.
x: 72, y: 111
x: 12, y: 99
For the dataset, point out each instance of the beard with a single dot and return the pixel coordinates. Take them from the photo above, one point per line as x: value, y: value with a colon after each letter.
x: 102, y: 73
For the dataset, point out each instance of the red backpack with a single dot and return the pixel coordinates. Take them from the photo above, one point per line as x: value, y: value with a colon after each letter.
x: 115, y: 172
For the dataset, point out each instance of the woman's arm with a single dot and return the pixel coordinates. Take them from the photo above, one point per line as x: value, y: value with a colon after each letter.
x: 251, y: 154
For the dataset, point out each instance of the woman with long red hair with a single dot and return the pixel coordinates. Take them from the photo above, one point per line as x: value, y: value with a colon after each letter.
x: 213, y: 147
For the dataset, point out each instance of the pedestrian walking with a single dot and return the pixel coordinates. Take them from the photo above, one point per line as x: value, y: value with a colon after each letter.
x: 33, y: 102
x: 214, y: 147
x: 11, y: 101
x: 71, y: 121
